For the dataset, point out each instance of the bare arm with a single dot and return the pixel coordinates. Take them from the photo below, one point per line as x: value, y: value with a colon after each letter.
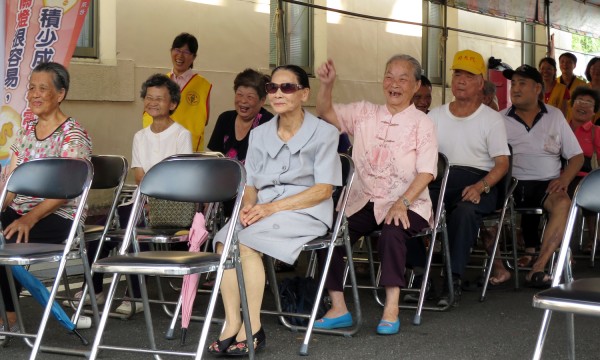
x: 473, y: 192
x: 563, y: 181
x: 398, y: 213
x: 138, y: 174
x: 307, y: 198
x: 326, y: 74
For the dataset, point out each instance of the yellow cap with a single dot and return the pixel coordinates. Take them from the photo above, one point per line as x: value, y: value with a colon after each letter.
x: 469, y: 60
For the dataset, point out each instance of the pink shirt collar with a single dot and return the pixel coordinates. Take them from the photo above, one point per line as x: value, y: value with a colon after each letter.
x: 182, y: 79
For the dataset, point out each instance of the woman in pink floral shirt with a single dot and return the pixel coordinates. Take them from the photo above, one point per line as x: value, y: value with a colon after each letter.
x: 395, y: 153
x: 51, y: 134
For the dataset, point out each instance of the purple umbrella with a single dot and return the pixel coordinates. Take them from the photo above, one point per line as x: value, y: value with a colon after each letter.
x: 197, y: 237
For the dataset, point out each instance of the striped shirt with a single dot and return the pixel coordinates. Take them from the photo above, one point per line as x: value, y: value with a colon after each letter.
x: 68, y: 140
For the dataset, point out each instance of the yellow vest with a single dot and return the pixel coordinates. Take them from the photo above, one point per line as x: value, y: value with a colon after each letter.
x: 192, y: 111
x: 574, y: 84
x: 557, y: 97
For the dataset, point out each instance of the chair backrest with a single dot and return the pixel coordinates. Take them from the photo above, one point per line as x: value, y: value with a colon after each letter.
x: 110, y: 171
x: 443, y: 170
x: 587, y: 197
x: 51, y: 178
x: 503, y: 185
x: 344, y: 190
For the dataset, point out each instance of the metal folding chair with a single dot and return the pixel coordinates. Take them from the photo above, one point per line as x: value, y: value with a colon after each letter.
x: 49, y: 178
x: 189, y: 179
x: 338, y: 236
x: 110, y: 172
x: 571, y: 296
x: 439, y: 226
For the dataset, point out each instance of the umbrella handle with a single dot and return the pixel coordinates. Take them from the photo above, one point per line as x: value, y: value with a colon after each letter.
x: 84, y: 341
x: 183, y: 334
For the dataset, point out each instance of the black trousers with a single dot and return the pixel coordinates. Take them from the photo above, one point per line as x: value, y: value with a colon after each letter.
x: 463, y: 217
x: 391, y: 247
x: 52, y: 229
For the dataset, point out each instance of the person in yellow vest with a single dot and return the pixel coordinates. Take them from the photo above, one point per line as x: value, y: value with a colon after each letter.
x: 555, y: 93
x: 193, y: 110
x: 567, y: 62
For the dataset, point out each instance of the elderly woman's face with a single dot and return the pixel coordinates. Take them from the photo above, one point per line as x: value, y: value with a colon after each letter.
x: 42, y: 96
x: 583, y: 109
x: 399, y: 84
x: 286, y: 103
x: 157, y: 102
x: 247, y: 103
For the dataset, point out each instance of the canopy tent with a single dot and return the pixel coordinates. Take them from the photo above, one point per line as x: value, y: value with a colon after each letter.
x: 575, y: 16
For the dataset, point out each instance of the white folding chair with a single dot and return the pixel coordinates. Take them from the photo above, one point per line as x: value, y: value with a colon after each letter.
x: 48, y: 178
x: 571, y: 296
x: 188, y: 179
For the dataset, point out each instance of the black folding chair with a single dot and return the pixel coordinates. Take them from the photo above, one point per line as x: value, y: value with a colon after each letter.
x: 186, y: 179
x: 48, y: 178
x: 571, y: 296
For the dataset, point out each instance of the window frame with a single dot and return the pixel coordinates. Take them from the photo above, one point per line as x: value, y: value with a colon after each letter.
x: 92, y: 27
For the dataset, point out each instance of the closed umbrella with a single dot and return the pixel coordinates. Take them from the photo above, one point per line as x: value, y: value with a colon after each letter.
x: 42, y: 295
x: 197, y: 237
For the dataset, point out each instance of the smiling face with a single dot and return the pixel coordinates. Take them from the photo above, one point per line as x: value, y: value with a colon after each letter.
x: 524, y: 92
x: 548, y: 72
x: 399, y: 85
x: 182, y: 59
x: 466, y: 86
x: 42, y: 96
x: 281, y: 103
x: 583, y: 109
x: 157, y: 102
x: 567, y: 65
x: 422, y: 98
x: 247, y: 103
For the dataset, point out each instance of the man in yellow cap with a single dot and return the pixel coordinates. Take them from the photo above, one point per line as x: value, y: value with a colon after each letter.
x: 473, y: 137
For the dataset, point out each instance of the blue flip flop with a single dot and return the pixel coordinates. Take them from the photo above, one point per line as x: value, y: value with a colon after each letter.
x: 388, y: 327
x: 334, y: 323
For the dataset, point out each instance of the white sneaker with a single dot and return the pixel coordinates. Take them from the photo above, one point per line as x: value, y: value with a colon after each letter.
x: 100, y: 299
x: 126, y: 307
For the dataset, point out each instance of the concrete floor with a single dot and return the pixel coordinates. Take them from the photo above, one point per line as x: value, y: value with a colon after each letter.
x: 505, y: 326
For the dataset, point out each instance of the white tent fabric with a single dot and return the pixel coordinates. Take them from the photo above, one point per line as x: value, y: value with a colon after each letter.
x: 576, y: 16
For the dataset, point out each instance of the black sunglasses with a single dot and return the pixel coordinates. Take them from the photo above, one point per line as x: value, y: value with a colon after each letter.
x: 286, y: 88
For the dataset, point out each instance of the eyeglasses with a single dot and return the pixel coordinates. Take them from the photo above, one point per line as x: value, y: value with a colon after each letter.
x: 286, y: 88
x: 181, y: 52
x: 584, y: 102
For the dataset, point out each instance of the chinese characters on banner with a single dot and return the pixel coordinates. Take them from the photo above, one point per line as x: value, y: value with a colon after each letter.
x: 36, y: 31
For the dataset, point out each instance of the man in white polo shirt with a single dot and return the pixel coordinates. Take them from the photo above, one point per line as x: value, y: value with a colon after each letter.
x: 539, y: 136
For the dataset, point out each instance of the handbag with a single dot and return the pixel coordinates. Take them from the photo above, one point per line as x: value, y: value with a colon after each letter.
x: 298, y: 295
x: 165, y: 213
x: 594, y: 161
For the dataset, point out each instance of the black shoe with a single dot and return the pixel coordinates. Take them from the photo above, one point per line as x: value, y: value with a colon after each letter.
x: 240, y: 348
x: 221, y: 346
x: 414, y: 297
x: 445, y: 298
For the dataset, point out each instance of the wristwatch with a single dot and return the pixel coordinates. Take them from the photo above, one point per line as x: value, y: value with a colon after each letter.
x: 406, y: 202
x: 486, y: 186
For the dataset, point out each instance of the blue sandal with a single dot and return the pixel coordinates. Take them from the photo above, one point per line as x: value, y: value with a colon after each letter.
x: 388, y: 328
x: 334, y: 323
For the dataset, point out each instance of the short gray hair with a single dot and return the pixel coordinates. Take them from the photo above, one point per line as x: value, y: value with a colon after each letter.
x: 411, y: 60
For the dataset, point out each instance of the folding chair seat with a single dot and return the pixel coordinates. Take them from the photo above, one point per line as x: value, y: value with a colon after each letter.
x: 195, y: 179
x: 49, y: 178
x: 439, y: 226
x: 566, y: 295
x: 338, y: 236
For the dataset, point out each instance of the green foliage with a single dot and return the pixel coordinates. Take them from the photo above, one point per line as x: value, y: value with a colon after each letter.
x: 586, y: 44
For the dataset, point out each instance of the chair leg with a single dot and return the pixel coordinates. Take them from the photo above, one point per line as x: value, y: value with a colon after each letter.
x: 539, y: 345
x: 170, y: 331
x: 147, y: 313
x: 595, y: 240
x: 102, y: 325
x: 571, y: 334
x: 244, y: 305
